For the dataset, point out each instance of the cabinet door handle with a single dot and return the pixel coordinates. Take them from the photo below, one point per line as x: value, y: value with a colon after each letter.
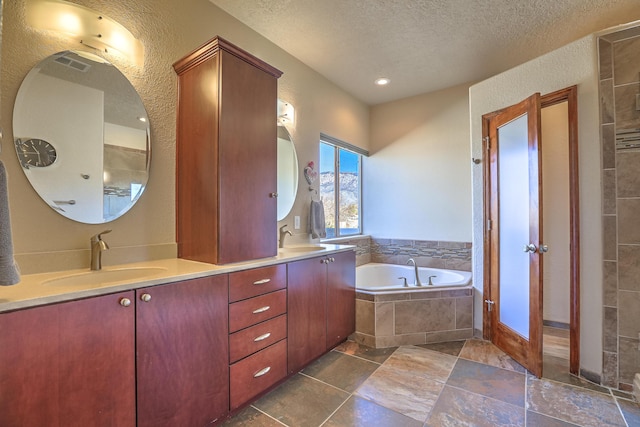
x: 273, y: 195
x: 125, y: 302
x: 261, y: 282
x: 332, y: 259
x: 262, y: 337
x: 261, y: 309
x: 262, y: 372
x: 145, y: 297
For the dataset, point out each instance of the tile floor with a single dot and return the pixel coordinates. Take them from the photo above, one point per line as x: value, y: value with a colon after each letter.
x: 463, y: 383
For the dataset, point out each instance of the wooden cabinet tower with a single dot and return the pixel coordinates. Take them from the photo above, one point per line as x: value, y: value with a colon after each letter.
x: 226, y: 154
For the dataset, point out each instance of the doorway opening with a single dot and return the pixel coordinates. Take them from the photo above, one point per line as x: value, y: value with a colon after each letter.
x: 550, y: 190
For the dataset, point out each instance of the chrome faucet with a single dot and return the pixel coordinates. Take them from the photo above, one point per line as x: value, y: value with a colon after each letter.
x: 415, y: 268
x: 283, y: 234
x: 97, y: 247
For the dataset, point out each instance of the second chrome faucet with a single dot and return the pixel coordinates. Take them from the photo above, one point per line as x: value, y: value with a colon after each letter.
x: 283, y: 234
x: 97, y: 247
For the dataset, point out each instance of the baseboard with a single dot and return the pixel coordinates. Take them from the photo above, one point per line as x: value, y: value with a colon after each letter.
x: 591, y: 376
x: 554, y: 324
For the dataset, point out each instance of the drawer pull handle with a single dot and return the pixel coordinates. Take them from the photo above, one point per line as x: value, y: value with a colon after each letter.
x: 262, y: 337
x: 261, y: 282
x: 261, y: 309
x: 262, y: 372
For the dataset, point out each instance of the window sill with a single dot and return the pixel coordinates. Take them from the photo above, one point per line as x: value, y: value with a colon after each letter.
x: 337, y: 240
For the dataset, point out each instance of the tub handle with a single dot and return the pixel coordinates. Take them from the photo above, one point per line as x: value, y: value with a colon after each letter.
x: 405, y: 284
x: 430, y: 282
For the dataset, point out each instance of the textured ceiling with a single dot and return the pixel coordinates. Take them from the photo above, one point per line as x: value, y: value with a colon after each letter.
x: 422, y: 45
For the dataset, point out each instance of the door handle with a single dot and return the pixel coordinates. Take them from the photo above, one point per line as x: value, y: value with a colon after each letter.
x: 530, y: 248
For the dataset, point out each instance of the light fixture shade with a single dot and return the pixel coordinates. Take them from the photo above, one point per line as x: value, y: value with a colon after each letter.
x: 88, y: 26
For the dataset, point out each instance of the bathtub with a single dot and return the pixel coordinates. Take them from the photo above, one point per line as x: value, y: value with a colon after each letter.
x: 376, y: 278
x: 389, y: 314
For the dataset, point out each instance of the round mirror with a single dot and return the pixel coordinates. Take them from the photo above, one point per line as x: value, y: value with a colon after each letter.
x: 287, y: 173
x: 81, y: 135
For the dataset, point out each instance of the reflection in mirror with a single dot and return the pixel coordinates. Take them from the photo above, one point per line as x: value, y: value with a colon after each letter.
x: 81, y: 134
x: 287, y: 173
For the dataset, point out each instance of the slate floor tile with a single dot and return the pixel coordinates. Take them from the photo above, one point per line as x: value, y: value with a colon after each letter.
x: 302, y: 402
x: 501, y: 384
x: 341, y: 370
x: 457, y: 407
x: 573, y: 404
x: 357, y: 412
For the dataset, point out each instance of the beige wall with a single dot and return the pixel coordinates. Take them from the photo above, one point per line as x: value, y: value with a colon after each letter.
x: 573, y: 64
x: 555, y: 216
x: 168, y: 29
x: 417, y: 180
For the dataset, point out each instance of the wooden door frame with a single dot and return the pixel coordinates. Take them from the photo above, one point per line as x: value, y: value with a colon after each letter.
x: 569, y: 95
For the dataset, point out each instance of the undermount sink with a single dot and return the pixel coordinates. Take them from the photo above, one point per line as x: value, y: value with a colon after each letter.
x: 102, y: 277
x: 300, y: 248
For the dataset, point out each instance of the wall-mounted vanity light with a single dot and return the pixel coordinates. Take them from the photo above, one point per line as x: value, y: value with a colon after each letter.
x: 87, y: 26
x: 286, y: 113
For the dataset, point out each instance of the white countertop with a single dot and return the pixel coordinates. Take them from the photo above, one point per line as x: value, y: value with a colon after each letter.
x: 33, y: 291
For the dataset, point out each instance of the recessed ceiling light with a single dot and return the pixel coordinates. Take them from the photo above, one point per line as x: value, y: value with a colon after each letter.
x: 382, y: 81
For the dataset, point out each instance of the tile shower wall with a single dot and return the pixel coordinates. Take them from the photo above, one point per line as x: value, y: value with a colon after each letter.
x: 619, y: 55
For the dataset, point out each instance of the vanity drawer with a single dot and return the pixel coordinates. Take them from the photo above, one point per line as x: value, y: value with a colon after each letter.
x: 256, y: 373
x: 250, y: 340
x: 257, y: 309
x: 249, y: 283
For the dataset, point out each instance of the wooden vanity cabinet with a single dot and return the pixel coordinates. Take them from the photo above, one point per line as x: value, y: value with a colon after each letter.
x: 321, y: 306
x: 182, y: 353
x: 69, y: 364
x: 226, y: 155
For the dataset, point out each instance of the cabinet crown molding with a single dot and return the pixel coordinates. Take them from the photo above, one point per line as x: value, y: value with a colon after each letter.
x: 212, y: 47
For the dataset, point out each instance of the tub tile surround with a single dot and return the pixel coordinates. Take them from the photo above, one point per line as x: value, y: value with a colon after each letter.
x: 619, y: 62
x: 435, y: 254
x: 469, y: 382
x: 426, y: 253
x: 388, y: 320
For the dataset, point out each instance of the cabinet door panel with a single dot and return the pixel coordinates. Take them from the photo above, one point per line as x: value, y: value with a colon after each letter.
x: 68, y: 364
x: 182, y: 344
x: 307, y: 296
x: 341, y: 298
x: 248, y: 158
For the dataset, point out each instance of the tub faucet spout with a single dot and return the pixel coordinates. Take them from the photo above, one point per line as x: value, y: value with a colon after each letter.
x: 415, y: 268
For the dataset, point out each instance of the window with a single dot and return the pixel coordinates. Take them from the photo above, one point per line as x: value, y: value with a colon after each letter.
x: 341, y: 192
